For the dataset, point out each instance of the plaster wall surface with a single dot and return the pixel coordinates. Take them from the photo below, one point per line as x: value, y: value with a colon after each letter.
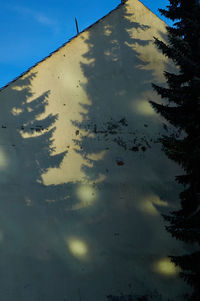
x: 82, y: 181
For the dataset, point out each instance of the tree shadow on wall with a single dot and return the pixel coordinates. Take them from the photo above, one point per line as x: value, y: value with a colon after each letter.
x: 117, y: 77
x: 116, y: 137
x: 118, y: 123
x: 32, y: 144
x: 33, y: 220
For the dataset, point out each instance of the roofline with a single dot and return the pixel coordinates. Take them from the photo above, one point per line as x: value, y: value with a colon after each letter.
x: 63, y: 45
x: 69, y: 41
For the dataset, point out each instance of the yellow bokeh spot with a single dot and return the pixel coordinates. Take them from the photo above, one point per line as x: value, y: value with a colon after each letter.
x: 107, y: 30
x: 165, y: 267
x: 77, y: 247
x: 144, y: 108
x: 148, y: 207
x: 87, y: 194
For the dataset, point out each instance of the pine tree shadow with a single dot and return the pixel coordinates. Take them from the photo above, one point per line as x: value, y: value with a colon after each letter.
x: 115, y: 63
x: 33, y: 153
x: 118, y: 123
x: 34, y: 220
x: 117, y: 139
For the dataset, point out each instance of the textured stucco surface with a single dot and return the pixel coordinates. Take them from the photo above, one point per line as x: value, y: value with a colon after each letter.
x: 82, y: 181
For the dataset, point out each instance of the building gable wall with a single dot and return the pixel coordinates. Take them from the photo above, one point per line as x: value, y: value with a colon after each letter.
x: 82, y: 180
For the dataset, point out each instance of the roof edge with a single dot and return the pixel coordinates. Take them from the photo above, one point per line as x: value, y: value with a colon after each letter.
x: 63, y: 45
x: 71, y: 39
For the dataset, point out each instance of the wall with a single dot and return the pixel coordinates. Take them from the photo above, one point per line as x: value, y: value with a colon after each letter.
x: 82, y: 180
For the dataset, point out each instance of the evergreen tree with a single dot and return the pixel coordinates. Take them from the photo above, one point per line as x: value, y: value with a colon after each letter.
x: 181, y: 108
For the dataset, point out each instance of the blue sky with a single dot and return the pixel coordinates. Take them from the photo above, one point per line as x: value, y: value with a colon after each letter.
x: 31, y: 29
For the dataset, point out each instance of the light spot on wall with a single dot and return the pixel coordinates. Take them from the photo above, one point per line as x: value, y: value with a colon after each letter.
x: 69, y: 82
x: 77, y: 247
x: 27, y: 135
x: 19, y: 88
x: 107, y: 53
x: 3, y: 160
x: 144, y: 108
x: 97, y: 156
x: 107, y: 30
x: 165, y: 267
x: 16, y: 111
x: 147, y: 205
x: 100, y: 178
x: 87, y: 194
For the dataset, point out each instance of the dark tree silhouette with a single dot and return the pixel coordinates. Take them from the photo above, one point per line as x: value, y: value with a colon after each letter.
x: 182, y: 111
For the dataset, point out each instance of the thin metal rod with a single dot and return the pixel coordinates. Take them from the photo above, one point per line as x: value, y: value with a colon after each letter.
x: 77, y: 26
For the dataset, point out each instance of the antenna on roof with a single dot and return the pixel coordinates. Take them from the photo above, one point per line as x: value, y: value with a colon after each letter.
x: 77, y: 26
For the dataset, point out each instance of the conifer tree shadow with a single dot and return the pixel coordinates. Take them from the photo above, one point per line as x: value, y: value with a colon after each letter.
x: 115, y: 62
x: 33, y: 219
x: 32, y: 142
x: 118, y: 144
x: 117, y: 79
